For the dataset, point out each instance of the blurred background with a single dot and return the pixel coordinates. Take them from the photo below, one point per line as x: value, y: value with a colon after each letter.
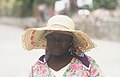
x: 100, y: 19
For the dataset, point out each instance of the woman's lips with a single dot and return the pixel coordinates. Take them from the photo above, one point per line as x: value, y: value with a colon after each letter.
x: 56, y: 50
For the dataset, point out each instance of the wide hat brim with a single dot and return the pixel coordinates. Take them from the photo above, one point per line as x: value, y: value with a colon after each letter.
x: 34, y: 38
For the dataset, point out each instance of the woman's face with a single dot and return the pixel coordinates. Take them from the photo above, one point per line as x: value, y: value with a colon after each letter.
x: 58, y: 43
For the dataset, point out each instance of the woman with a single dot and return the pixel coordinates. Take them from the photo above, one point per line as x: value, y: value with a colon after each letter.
x: 64, y: 47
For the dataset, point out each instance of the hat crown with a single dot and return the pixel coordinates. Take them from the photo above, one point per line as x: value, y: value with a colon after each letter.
x: 62, y: 21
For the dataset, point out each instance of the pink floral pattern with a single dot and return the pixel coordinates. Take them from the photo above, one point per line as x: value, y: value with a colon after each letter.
x: 75, y: 69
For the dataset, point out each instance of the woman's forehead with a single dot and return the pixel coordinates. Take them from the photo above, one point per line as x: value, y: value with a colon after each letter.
x: 57, y: 33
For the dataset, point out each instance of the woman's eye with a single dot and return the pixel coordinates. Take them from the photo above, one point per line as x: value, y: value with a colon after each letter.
x: 59, y: 39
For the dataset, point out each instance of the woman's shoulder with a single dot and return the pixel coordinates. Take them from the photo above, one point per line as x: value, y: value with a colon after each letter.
x: 94, y: 68
x: 92, y: 61
x: 39, y: 62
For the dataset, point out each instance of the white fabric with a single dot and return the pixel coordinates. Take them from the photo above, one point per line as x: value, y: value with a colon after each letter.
x: 59, y: 6
x: 81, y: 3
x: 60, y: 72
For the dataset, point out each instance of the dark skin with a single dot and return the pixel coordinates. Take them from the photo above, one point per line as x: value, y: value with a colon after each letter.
x: 58, y: 45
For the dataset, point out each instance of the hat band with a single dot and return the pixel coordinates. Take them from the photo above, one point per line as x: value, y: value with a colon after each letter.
x: 49, y: 32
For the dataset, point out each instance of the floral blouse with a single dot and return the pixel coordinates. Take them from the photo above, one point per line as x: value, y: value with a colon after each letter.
x: 75, y: 69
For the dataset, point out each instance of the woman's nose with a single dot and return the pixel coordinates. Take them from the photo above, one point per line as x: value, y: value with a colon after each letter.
x: 57, y: 41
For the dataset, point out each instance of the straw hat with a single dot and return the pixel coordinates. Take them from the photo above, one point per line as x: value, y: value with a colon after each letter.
x: 34, y: 38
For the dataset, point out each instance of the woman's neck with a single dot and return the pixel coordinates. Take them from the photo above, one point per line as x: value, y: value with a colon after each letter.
x: 58, y: 62
x: 61, y: 58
